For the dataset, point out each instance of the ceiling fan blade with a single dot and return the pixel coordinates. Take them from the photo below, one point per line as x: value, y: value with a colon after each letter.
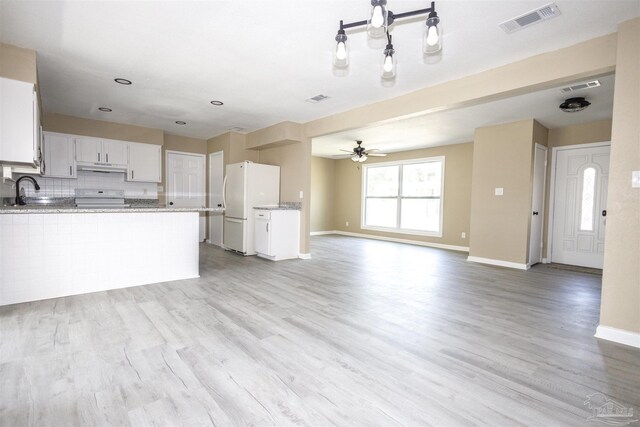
x: 373, y: 149
x: 348, y: 151
x: 376, y: 154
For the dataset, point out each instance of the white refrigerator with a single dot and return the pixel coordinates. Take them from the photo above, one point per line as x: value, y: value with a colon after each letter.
x: 247, y: 185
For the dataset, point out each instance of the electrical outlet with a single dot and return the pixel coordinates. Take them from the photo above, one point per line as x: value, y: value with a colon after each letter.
x: 463, y: 235
x: 499, y: 191
x: 301, y: 194
x: 346, y: 223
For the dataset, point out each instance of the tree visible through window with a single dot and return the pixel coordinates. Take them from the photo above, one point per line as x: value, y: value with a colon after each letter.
x: 404, y: 197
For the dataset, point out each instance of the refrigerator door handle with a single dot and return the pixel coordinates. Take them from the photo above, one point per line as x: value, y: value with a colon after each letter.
x: 238, y: 221
x: 224, y: 192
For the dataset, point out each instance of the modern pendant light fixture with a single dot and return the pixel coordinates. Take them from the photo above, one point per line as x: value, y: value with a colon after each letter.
x: 380, y: 19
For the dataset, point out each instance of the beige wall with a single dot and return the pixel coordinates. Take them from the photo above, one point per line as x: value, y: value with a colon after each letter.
x: 620, y: 305
x: 323, y: 182
x: 295, y: 177
x: 598, y: 131
x: 18, y: 64
x: 502, y: 158
x: 457, y: 193
x: 100, y: 129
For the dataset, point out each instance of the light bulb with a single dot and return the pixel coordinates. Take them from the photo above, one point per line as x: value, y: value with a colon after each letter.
x: 363, y: 158
x: 355, y: 158
x: 341, y: 51
x: 377, y: 19
x: 432, y: 35
x: 388, y: 63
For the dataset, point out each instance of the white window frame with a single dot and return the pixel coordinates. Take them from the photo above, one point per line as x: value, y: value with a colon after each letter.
x: 363, y: 191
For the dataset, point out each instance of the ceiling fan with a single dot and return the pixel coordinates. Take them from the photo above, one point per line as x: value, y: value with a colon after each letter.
x: 360, y: 154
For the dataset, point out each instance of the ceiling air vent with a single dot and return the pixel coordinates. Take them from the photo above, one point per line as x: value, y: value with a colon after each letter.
x: 580, y: 86
x: 317, y: 98
x: 542, y: 14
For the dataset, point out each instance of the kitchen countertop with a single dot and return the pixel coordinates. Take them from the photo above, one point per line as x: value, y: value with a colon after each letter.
x: 67, y: 209
x: 281, y: 207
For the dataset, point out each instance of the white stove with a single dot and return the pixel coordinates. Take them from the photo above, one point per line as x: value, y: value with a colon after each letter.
x: 99, y: 199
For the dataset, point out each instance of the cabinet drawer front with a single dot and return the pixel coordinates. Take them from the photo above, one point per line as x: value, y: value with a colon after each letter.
x: 262, y: 214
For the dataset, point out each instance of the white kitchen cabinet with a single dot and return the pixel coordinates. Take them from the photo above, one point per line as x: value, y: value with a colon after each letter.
x: 144, y: 162
x: 277, y: 233
x: 58, y: 159
x: 19, y: 123
x: 98, y: 151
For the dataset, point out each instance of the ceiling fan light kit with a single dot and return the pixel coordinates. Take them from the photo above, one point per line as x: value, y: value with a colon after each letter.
x: 573, y: 105
x: 360, y: 154
x: 380, y: 19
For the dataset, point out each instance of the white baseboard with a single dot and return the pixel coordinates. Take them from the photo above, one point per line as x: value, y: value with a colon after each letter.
x: 498, y: 262
x: 304, y: 256
x: 322, y: 233
x: 619, y: 336
x: 407, y: 241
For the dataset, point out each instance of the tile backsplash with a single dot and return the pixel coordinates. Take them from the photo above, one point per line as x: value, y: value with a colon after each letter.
x: 65, y: 187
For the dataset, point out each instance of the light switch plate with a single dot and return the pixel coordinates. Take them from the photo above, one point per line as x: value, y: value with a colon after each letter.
x: 635, y: 179
x: 301, y: 194
x: 499, y: 191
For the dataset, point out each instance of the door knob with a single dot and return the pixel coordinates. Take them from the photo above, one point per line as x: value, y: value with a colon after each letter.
x: 604, y: 212
x: 219, y: 205
x: 535, y: 212
x: 171, y: 203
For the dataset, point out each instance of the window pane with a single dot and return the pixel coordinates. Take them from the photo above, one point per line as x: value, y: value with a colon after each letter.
x: 382, y: 213
x: 382, y: 181
x: 588, y: 196
x: 422, y: 179
x: 421, y: 214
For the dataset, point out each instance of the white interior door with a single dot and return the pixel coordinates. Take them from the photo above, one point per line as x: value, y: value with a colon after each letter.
x: 580, y: 204
x: 216, y: 177
x: 186, y: 182
x: 537, y: 204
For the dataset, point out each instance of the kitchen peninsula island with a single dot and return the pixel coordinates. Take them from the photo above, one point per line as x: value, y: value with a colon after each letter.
x: 54, y: 251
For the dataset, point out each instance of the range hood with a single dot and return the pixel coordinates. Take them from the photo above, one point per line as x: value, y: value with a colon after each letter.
x: 102, y: 168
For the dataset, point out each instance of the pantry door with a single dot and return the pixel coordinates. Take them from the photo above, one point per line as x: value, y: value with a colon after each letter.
x: 580, y: 205
x: 186, y: 183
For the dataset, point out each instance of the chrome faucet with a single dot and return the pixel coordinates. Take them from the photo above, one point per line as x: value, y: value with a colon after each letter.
x: 19, y: 199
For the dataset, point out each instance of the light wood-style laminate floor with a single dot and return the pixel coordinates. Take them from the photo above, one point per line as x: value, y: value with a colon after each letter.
x: 365, y: 333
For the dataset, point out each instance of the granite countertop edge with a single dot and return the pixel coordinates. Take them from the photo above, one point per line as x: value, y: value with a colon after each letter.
x: 278, y: 208
x: 73, y: 209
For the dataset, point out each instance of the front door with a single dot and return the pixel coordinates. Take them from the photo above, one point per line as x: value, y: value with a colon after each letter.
x: 580, y: 205
x: 185, y: 183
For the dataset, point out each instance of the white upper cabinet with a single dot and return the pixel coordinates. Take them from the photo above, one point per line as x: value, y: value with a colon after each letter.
x: 58, y: 158
x: 101, y: 151
x: 115, y: 152
x: 144, y: 162
x: 88, y: 150
x: 19, y: 123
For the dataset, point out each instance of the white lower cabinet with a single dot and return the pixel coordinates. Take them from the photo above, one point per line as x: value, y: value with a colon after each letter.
x: 277, y: 234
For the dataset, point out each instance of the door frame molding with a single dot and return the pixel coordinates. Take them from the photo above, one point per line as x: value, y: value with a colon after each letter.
x: 544, y: 195
x: 208, y: 200
x: 552, y: 188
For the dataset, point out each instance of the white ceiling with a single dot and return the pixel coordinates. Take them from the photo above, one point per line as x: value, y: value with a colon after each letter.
x: 457, y: 126
x: 262, y: 58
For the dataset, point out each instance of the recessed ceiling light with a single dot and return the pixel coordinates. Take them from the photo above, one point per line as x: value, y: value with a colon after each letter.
x: 180, y: 122
x: 217, y: 103
x: 122, y: 81
x: 105, y: 109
